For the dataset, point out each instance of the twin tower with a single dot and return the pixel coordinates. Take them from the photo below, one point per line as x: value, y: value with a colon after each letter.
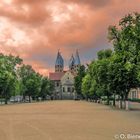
x: 74, y: 63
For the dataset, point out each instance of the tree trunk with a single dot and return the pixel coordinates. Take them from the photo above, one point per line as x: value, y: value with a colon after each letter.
x: 121, y: 104
x: 29, y: 99
x: 6, y: 100
x: 120, y: 101
x: 114, y: 100
x: 23, y: 99
x: 107, y: 100
x: 126, y: 102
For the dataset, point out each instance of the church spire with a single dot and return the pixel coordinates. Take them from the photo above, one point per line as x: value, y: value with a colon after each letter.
x: 77, y: 58
x: 71, y: 62
x: 59, y: 63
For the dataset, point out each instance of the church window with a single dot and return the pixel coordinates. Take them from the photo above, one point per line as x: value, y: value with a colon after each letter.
x: 68, y: 89
x: 72, y: 89
x: 63, y: 89
x: 57, y: 84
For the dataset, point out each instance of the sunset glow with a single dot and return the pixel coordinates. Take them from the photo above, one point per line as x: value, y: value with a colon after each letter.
x: 35, y: 30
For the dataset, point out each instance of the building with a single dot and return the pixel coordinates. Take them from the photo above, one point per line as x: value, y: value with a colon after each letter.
x: 134, y: 94
x: 64, y: 80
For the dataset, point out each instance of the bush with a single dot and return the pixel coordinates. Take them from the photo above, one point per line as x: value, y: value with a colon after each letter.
x: 135, y: 100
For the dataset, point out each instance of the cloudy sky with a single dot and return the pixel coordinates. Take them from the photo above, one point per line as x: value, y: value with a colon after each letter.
x: 36, y: 29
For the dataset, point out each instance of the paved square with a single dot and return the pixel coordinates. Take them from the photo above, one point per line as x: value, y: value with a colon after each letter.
x: 65, y: 120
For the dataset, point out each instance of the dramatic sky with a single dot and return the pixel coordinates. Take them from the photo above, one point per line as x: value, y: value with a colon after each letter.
x: 36, y: 29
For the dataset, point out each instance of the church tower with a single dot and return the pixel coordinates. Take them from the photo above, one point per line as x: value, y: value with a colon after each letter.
x: 71, y: 63
x: 74, y: 63
x: 77, y: 61
x: 59, y: 64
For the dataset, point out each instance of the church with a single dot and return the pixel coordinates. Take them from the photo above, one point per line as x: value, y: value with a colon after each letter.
x: 64, y: 80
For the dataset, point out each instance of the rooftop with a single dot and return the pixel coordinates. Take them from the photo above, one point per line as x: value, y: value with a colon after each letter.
x: 56, y: 76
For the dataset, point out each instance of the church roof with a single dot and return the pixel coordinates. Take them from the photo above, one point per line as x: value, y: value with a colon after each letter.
x: 59, y: 60
x: 77, y: 58
x: 56, y: 76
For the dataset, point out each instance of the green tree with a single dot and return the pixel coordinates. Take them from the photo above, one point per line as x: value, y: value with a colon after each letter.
x: 103, y: 54
x: 100, y: 73
x: 86, y: 84
x: 126, y: 40
x: 78, y: 80
x: 47, y: 88
x: 31, y: 82
x: 8, y: 75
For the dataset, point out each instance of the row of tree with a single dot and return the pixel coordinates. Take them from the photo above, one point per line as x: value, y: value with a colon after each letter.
x: 115, y: 72
x: 19, y: 79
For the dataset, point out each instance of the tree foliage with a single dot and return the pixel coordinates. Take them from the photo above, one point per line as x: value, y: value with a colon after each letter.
x: 47, y: 88
x: 78, y: 80
x: 19, y: 79
x: 116, y: 72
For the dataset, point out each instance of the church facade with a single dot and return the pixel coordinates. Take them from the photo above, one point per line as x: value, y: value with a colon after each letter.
x: 64, y: 80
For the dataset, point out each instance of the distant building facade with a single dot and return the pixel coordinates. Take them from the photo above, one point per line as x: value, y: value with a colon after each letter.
x: 134, y: 93
x: 64, y: 80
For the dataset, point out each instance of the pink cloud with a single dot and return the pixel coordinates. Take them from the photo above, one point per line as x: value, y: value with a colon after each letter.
x: 37, y: 29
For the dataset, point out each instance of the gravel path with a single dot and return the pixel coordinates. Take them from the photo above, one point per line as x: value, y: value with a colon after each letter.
x: 65, y: 120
